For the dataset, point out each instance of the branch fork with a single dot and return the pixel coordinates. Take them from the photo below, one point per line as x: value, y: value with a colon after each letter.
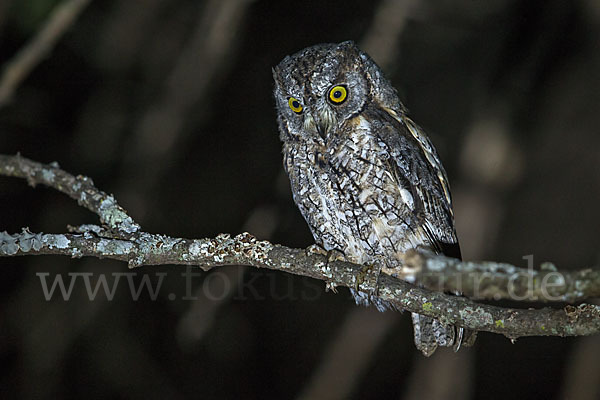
x: 121, y: 238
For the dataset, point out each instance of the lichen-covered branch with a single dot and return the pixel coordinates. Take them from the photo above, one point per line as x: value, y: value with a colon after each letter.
x: 80, y: 188
x: 121, y: 239
x: 151, y: 249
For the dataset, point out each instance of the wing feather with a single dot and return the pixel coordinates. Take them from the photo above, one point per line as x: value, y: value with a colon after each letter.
x: 415, y: 165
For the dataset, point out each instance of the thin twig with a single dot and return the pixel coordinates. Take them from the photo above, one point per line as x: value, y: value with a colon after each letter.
x: 16, y: 70
x: 80, y: 188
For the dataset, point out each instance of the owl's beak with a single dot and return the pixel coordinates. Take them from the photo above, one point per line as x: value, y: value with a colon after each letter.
x: 325, y: 122
x: 320, y: 122
x: 315, y: 125
x: 321, y: 130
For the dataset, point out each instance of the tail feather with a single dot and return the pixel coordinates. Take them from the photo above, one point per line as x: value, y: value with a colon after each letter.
x: 429, y: 333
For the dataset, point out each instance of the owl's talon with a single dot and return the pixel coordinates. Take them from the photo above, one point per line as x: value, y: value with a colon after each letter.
x: 376, y: 290
x: 316, y: 249
x: 334, y: 255
x: 361, y: 276
x: 331, y: 286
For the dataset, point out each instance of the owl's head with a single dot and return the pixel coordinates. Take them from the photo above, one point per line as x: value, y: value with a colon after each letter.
x: 323, y: 86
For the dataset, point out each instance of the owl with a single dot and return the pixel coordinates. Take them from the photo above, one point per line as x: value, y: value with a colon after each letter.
x: 366, y: 178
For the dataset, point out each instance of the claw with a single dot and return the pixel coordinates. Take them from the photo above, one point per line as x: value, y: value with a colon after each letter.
x: 334, y: 255
x: 316, y: 249
x: 459, y: 339
x: 331, y: 286
x: 360, y: 277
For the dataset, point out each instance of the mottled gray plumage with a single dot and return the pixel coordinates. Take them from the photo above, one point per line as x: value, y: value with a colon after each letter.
x: 366, y: 178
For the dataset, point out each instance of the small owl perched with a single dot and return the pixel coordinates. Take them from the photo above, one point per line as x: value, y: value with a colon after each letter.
x: 366, y: 178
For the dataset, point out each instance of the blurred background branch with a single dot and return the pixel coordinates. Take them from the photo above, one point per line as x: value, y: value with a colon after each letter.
x: 16, y: 70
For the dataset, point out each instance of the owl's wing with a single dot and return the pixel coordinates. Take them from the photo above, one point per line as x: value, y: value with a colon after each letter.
x: 416, y: 167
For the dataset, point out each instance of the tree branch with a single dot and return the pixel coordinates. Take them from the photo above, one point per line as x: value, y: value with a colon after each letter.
x: 122, y: 240
x: 80, y: 188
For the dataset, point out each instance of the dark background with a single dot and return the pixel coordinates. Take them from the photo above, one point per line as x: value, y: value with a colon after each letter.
x: 167, y: 104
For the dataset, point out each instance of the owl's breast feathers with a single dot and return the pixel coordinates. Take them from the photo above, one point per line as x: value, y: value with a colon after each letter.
x: 374, y: 189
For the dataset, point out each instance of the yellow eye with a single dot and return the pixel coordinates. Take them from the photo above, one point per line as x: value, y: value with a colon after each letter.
x: 338, y: 94
x: 295, y: 105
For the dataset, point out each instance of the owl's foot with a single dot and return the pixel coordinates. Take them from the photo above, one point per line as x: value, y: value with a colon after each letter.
x: 431, y: 333
x: 332, y: 256
x: 365, y: 298
x: 316, y: 249
x: 378, y: 272
x: 361, y: 276
x: 331, y: 286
